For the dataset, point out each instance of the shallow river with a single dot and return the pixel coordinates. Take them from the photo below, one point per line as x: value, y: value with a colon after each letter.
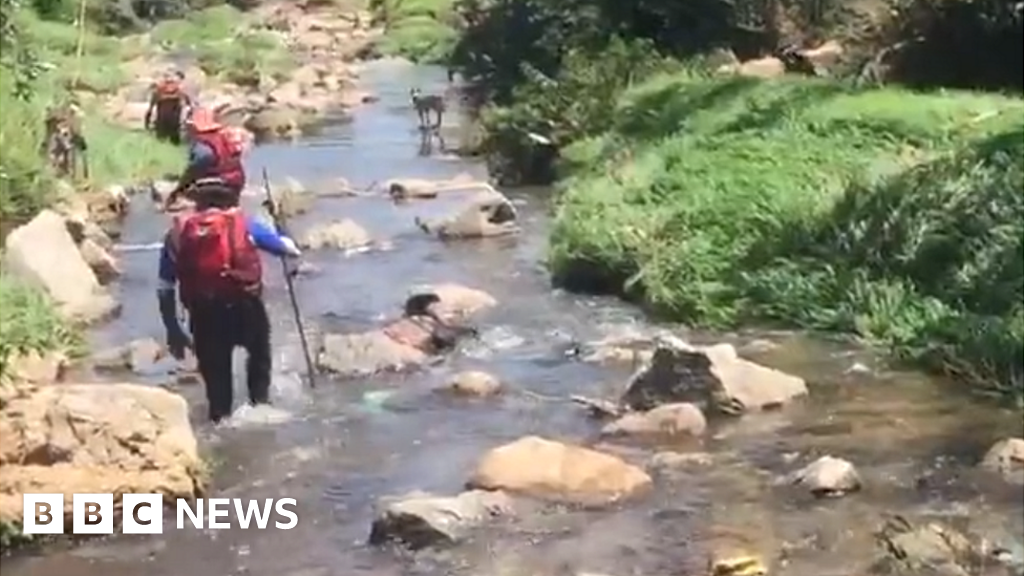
x: 914, y: 442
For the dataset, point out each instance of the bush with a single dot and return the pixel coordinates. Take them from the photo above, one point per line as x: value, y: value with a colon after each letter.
x: 30, y: 323
x: 420, y: 30
x: 894, y: 215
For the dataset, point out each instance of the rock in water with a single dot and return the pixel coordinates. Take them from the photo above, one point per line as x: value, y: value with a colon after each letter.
x: 927, y: 548
x: 94, y: 438
x: 419, y: 520
x: 44, y: 254
x: 827, y: 476
x: 487, y: 214
x: 343, y: 235
x: 711, y: 376
x: 552, y: 470
x: 1007, y: 458
x: 366, y: 354
x: 473, y: 383
x: 666, y: 420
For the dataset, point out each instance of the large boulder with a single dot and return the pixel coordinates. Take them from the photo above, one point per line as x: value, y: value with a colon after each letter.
x: 1007, y: 458
x: 366, y: 354
x: 44, y: 254
x: 486, y: 214
x: 95, y: 438
x: 712, y: 376
x: 419, y: 520
x: 563, y: 472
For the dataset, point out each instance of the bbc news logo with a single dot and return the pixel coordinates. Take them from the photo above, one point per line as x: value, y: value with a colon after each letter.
x: 144, y: 513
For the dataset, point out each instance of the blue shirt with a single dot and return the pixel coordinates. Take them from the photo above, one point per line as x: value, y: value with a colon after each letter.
x: 201, y: 160
x: 263, y: 235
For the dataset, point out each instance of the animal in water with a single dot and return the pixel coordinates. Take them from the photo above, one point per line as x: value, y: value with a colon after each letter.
x: 63, y: 144
x: 425, y: 104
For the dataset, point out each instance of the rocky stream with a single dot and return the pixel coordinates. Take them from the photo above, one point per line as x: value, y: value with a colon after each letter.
x: 825, y: 464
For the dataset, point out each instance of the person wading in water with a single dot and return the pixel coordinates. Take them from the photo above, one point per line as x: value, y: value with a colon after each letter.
x: 215, y: 151
x: 211, y: 255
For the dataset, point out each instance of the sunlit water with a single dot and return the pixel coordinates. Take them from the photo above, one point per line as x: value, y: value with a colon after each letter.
x: 339, y: 447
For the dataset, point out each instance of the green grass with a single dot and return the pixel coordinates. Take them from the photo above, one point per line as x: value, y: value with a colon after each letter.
x: 29, y: 323
x: 893, y: 215
x: 420, y: 30
x: 224, y: 45
x: 116, y: 154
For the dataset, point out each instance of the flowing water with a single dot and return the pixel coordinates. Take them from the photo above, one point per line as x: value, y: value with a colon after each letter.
x: 914, y: 441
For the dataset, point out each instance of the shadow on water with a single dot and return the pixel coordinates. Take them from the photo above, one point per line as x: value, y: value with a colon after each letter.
x: 324, y: 448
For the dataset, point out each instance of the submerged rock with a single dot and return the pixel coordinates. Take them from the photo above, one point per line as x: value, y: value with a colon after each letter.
x: 827, y: 476
x: 342, y: 234
x: 928, y: 548
x: 473, y: 383
x: 458, y: 301
x: 419, y: 520
x: 712, y: 376
x: 138, y: 356
x: 666, y: 421
x: 94, y: 438
x: 366, y: 354
x: 552, y: 470
x: 103, y: 264
x: 1007, y: 458
x: 44, y: 254
x: 486, y: 214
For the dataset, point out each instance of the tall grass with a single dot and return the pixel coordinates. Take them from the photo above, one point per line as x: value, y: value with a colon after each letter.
x: 894, y: 215
x: 29, y: 323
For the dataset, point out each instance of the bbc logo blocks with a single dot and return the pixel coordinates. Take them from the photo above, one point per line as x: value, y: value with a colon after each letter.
x: 93, y: 514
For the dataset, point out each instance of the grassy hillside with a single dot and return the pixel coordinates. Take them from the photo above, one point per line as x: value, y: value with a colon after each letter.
x: 894, y: 215
x: 421, y: 30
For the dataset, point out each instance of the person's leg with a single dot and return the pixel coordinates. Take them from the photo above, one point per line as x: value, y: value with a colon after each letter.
x: 213, y: 350
x: 256, y: 340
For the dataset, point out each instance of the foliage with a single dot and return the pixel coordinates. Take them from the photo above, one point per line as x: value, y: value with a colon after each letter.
x: 894, y: 215
x: 29, y: 323
x: 421, y: 30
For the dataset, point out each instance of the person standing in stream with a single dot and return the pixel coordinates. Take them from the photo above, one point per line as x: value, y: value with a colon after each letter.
x: 168, y: 105
x: 215, y: 151
x: 211, y: 255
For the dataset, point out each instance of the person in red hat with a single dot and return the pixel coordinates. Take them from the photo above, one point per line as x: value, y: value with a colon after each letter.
x: 215, y: 152
x: 168, y: 104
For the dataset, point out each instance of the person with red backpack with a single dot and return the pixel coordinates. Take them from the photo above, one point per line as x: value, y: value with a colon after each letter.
x: 215, y: 151
x: 212, y: 256
x: 169, y: 103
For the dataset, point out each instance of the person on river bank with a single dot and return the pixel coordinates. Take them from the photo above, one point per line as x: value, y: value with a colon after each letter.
x: 215, y: 151
x: 170, y: 104
x: 421, y: 327
x: 212, y: 256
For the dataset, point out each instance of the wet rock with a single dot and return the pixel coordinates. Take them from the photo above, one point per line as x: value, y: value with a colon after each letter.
x: 44, y: 254
x: 37, y: 367
x: 103, y: 264
x: 342, y: 235
x: 927, y: 548
x: 81, y: 229
x: 412, y: 188
x: 552, y: 470
x: 366, y: 354
x: 666, y: 420
x: 732, y: 552
x: 712, y: 376
x: 420, y: 520
x: 669, y: 461
x: 458, y: 301
x: 615, y: 354
x: 485, y: 215
x: 276, y: 121
x: 138, y: 356
x: 1007, y: 458
x: 473, y: 383
x: 291, y: 198
x: 160, y: 190
x: 827, y: 477
x: 94, y: 438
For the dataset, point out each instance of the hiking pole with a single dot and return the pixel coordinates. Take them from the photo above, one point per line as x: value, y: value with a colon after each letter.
x: 290, y: 284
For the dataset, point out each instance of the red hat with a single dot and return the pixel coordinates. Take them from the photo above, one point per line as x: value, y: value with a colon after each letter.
x: 203, y: 120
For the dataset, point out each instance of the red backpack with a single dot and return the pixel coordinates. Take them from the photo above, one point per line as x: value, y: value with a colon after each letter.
x: 216, y: 258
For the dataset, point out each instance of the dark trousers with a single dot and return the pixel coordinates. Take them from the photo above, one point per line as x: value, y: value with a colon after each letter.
x: 167, y: 126
x: 217, y: 328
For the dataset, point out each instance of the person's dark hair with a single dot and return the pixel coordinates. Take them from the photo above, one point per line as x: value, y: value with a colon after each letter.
x: 214, y: 194
x: 417, y: 304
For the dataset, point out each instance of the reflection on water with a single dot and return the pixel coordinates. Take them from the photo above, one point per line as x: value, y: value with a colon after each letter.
x: 337, y: 448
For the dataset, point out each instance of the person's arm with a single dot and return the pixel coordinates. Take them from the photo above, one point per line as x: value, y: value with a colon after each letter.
x: 268, y: 239
x: 200, y: 159
x: 167, y: 279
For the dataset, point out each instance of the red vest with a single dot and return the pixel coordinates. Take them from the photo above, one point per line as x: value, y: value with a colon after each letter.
x: 214, y: 256
x: 228, y: 166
